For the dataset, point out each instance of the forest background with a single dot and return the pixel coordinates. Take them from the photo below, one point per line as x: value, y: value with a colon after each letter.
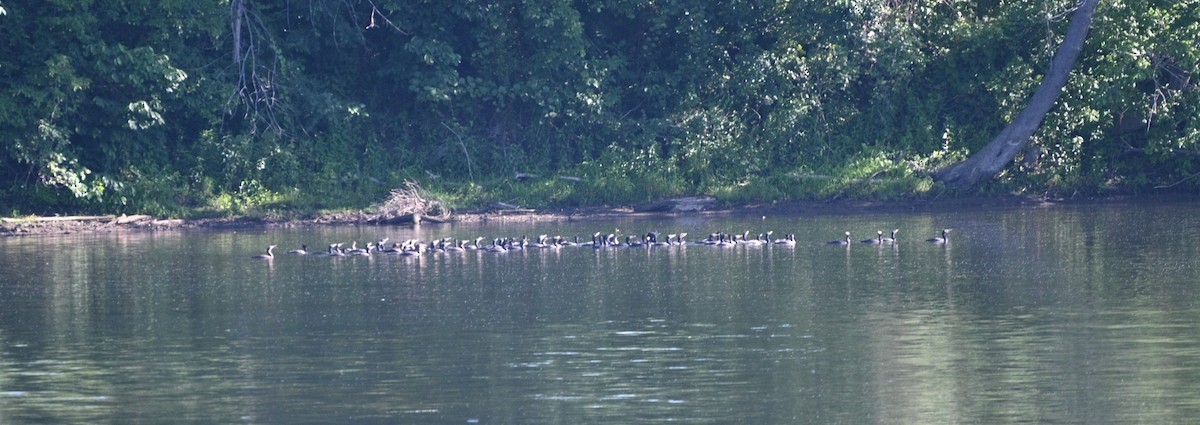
x: 186, y: 108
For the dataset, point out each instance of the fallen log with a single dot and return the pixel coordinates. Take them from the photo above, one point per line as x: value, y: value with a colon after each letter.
x: 126, y: 219
x: 506, y: 208
x: 104, y: 218
x: 414, y: 218
x: 687, y: 204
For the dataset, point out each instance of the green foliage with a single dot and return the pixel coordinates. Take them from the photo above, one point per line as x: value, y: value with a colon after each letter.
x: 140, y: 106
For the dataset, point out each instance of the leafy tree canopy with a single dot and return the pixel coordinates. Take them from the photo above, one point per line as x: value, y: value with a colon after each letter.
x: 171, y: 106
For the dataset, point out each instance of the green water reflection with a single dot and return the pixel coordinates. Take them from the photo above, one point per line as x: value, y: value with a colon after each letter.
x: 1067, y: 315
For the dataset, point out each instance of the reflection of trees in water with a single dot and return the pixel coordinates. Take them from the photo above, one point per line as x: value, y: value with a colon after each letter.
x: 1035, y: 316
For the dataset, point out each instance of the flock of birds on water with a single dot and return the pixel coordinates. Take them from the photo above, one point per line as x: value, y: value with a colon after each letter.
x: 414, y: 247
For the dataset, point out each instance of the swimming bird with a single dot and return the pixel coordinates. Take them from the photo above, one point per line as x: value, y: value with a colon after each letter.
x: 411, y: 248
x: 519, y: 246
x: 892, y: 239
x: 746, y: 239
x: 875, y: 241
x: 759, y: 241
x: 790, y: 240
x: 942, y: 239
x: 841, y: 241
x: 541, y: 242
x: 653, y: 238
x: 564, y: 242
x: 363, y: 252
x: 269, y: 255
x: 456, y: 247
x: 355, y: 250
x: 303, y: 250
x: 497, y: 246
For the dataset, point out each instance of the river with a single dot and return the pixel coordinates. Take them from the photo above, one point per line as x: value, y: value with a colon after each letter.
x: 1068, y: 314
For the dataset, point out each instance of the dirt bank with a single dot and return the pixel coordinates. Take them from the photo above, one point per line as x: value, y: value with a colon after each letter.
x: 27, y: 226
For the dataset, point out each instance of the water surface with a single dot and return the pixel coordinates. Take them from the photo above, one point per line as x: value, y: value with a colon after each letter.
x: 1043, y: 315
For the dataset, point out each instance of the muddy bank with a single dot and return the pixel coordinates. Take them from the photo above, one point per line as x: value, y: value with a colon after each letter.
x: 28, y: 226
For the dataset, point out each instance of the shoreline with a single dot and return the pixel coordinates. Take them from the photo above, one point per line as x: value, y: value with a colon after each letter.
x: 37, y: 226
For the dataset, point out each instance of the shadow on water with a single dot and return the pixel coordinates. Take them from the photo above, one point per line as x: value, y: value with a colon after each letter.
x: 1043, y: 315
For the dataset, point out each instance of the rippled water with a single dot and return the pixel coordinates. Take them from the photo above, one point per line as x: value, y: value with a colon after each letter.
x: 1042, y: 315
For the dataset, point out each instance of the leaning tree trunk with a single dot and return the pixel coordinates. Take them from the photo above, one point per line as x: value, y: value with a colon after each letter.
x: 987, y: 163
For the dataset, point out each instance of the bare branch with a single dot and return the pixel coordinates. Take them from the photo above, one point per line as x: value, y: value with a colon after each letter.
x: 376, y: 12
x: 464, y: 149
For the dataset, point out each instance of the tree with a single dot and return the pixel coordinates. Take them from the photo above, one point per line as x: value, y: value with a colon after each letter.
x: 989, y: 161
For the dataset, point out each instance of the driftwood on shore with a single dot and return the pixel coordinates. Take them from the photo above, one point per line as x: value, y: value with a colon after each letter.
x: 507, y: 208
x: 122, y: 219
x: 687, y: 204
x: 101, y: 218
x: 413, y: 218
x: 408, y: 206
x: 127, y: 219
x: 17, y: 226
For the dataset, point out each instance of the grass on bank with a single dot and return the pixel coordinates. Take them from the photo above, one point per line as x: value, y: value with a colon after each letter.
x: 877, y: 176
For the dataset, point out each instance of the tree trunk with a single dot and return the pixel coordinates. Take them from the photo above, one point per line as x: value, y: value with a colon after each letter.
x: 987, y: 163
x: 238, y: 11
